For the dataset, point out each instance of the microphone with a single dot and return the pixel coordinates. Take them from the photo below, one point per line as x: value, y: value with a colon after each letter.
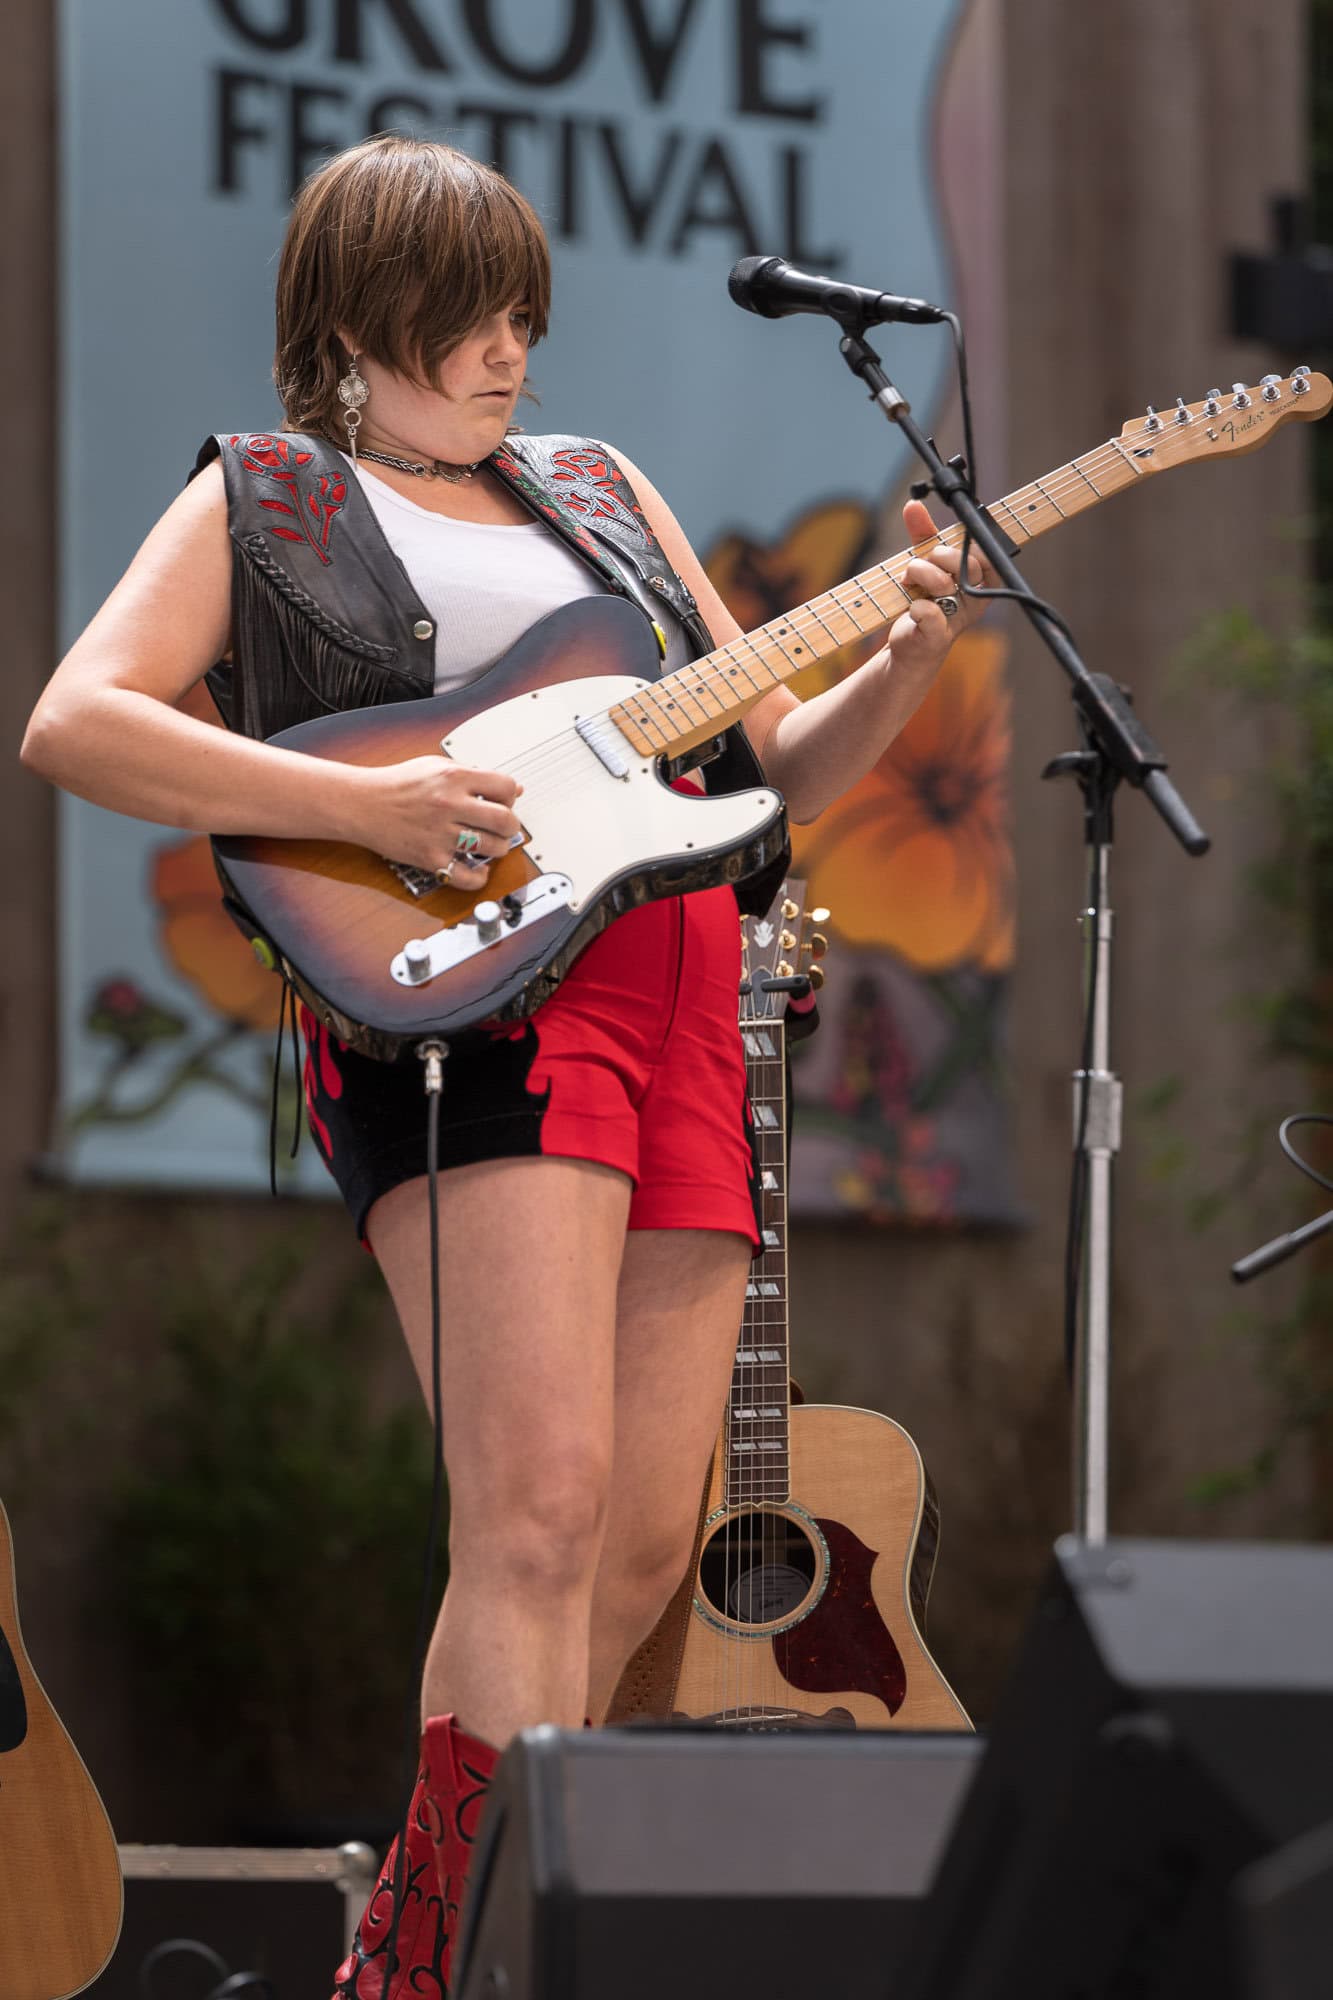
x: 772, y: 287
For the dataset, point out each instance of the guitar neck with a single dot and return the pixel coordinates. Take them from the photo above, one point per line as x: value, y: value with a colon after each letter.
x: 757, y: 1425
x: 702, y: 699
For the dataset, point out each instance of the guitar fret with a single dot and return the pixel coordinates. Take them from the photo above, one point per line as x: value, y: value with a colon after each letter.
x: 847, y: 614
x: 1051, y: 499
x: 1132, y: 463
x: 1076, y: 467
x: 739, y: 667
x: 1017, y: 520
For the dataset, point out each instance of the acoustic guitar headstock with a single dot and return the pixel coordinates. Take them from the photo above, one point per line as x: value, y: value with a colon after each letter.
x: 780, y: 953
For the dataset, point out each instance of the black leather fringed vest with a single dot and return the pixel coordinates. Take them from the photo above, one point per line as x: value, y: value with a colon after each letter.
x: 325, y: 618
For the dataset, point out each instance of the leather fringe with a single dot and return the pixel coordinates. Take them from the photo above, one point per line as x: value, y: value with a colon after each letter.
x: 299, y: 668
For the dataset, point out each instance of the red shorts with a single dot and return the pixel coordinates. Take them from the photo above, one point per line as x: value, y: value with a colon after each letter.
x: 635, y: 1061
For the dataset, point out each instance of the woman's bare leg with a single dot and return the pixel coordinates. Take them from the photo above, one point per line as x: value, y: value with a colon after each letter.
x: 530, y: 1263
x: 681, y: 1300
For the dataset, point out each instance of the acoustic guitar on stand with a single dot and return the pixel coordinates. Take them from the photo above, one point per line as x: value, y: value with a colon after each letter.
x: 386, y: 956
x: 60, y: 1913
x: 807, y: 1604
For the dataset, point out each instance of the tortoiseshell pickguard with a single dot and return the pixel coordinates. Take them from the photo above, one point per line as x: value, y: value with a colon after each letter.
x: 844, y: 1644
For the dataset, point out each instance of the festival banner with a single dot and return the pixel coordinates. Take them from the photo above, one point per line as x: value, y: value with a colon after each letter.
x: 659, y: 143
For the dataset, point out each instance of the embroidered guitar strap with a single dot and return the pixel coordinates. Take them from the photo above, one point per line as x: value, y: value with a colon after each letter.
x: 575, y: 486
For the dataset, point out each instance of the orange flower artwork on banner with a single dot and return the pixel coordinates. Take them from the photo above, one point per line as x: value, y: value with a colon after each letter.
x: 917, y: 857
x: 203, y: 943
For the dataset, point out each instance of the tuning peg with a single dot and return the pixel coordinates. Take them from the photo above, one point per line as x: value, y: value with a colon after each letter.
x: 789, y: 908
x: 787, y: 940
x: 816, y: 976
x: 1272, y: 388
x: 785, y: 971
x: 1240, y: 396
x: 818, y: 944
x: 1300, y: 381
x: 1152, y: 422
x: 819, y: 915
x: 1212, y: 403
x: 1182, y: 410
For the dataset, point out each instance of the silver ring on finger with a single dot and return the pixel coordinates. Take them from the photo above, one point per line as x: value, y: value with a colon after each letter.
x: 468, y: 841
x: 948, y: 605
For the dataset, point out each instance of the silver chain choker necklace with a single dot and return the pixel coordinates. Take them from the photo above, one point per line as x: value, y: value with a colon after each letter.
x: 428, y: 468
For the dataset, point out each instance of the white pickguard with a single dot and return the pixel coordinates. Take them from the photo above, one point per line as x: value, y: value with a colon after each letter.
x: 581, y: 821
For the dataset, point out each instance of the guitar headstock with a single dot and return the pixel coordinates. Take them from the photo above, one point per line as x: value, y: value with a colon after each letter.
x: 780, y: 953
x: 1220, y: 425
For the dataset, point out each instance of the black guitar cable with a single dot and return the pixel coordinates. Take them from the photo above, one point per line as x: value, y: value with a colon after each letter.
x: 229, y: 1985
x: 1283, y: 1247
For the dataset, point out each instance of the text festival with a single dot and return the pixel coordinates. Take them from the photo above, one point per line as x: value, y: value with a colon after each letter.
x: 664, y: 183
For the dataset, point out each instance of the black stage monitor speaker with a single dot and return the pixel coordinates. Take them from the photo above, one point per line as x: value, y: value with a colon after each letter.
x: 652, y: 1864
x: 1169, y: 1721
x: 1287, y: 1903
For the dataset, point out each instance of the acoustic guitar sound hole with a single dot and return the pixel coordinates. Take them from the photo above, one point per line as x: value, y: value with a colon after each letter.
x: 757, y: 1568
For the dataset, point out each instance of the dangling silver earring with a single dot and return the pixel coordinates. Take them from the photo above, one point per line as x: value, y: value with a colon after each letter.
x: 353, y: 391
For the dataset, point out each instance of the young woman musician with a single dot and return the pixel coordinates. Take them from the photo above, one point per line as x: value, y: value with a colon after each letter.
x: 596, y: 1214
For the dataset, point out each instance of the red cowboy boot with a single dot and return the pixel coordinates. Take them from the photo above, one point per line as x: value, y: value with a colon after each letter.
x: 422, y: 1945
x: 459, y: 1768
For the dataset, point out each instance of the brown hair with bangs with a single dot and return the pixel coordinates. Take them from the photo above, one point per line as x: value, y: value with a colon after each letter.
x: 407, y: 244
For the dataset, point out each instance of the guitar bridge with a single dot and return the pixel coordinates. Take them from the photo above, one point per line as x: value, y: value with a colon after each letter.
x: 416, y: 881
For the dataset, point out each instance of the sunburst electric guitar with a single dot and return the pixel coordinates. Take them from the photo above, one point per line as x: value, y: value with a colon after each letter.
x: 61, y: 1906
x: 386, y: 956
x: 808, y: 1596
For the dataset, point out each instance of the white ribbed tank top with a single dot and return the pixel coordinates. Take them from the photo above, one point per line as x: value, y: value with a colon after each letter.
x: 482, y: 585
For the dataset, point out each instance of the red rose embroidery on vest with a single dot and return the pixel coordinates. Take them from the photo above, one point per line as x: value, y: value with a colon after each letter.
x: 312, y: 509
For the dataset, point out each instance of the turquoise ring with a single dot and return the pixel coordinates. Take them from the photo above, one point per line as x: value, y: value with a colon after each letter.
x: 468, y: 841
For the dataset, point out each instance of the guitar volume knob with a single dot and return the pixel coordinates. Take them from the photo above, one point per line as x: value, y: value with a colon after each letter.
x: 488, y: 918
x: 416, y: 957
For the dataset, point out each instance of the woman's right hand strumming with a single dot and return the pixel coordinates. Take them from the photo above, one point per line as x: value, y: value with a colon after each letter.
x: 418, y: 811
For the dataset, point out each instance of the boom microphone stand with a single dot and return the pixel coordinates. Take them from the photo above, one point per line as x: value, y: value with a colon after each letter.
x: 1115, y: 746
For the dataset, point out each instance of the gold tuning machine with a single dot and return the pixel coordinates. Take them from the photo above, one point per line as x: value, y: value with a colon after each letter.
x: 819, y: 916
x: 785, y: 971
x: 788, y: 941
x: 816, y: 976
x: 817, y: 945
x: 789, y: 909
